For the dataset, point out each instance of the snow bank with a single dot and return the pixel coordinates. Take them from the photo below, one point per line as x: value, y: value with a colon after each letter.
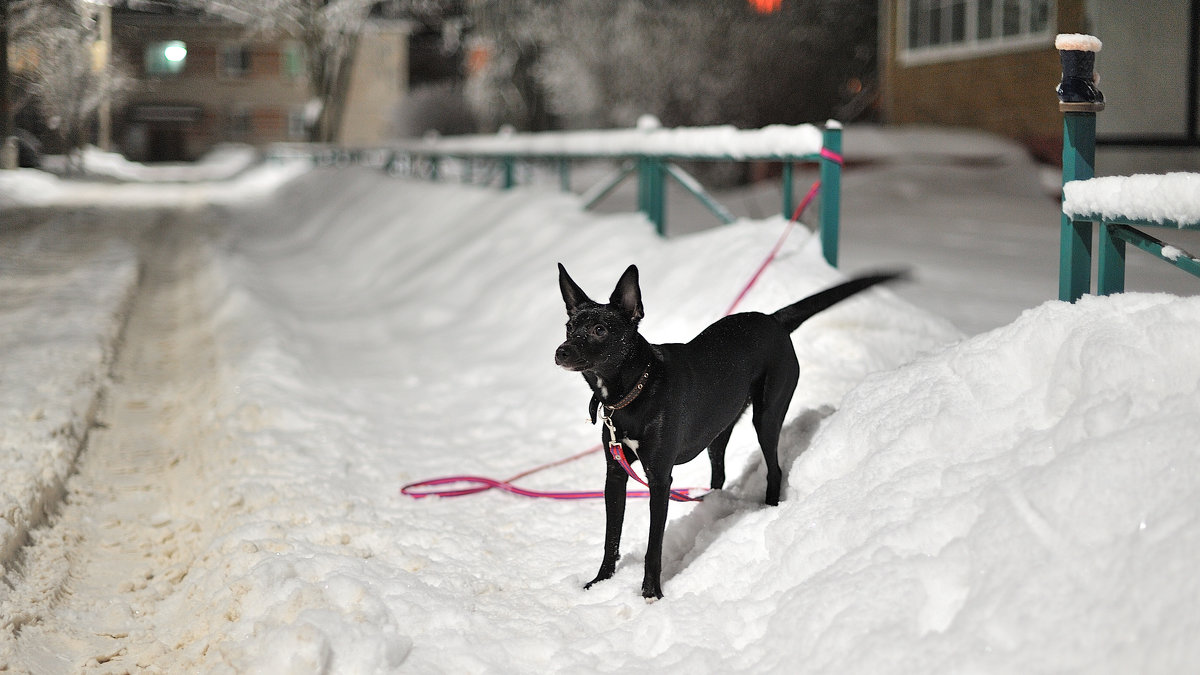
x: 1026, y: 500
x: 29, y: 187
x: 717, y: 141
x: 1172, y: 196
x: 58, y: 324
x: 222, y: 163
x: 382, y: 332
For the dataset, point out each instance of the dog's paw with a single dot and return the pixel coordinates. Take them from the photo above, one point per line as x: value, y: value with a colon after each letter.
x: 595, y: 581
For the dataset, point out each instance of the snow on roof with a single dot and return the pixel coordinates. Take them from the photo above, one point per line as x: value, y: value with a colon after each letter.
x: 1172, y: 196
x: 697, y: 142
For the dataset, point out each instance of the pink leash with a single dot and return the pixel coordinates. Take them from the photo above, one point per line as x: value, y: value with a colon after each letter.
x: 433, y: 487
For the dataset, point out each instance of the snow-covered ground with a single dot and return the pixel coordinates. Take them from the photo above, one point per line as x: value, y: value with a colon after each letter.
x: 1023, y: 500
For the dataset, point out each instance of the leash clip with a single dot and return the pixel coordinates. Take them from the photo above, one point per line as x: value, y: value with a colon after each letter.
x: 606, y: 417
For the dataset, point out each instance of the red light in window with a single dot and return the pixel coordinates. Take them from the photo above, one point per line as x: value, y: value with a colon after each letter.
x: 765, y: 6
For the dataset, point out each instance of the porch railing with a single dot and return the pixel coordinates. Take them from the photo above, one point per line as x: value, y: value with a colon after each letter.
x: 652, y: 155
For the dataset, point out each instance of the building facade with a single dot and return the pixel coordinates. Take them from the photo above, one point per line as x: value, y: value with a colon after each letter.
x: 202, y: 81
x: 991, y: 64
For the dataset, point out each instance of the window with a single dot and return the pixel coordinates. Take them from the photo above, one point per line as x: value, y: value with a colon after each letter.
x: 941, y: 29
x: 239, y: 121
x: 166, y: 58
x: 235, y: 61
x: 292, y: 60
x: 297, y: 123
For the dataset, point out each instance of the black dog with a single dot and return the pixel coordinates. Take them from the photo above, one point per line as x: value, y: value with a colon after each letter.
x: 666, y: 403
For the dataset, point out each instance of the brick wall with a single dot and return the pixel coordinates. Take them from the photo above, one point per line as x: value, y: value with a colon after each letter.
x: 1010, y: 93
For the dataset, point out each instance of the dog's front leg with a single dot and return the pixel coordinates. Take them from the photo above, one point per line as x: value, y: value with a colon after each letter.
x: 615, y: 483
x: 660, y: 495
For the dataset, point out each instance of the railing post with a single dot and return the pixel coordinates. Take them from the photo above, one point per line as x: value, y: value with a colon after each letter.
x: 1079, y: 101
x: 651, y: 192
x: 564, y: 174
x: 1075, y: 245
x: 785, y: 181
x: 508, y: 164
x: 831, y: 192
x: 434, y: 171
x: 1110, y: 272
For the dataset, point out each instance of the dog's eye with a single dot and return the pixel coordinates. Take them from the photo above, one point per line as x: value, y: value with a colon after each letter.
x: 599, y: 331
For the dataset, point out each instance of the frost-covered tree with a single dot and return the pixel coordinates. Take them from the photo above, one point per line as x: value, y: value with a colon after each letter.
x: 605, y: 62
x: 61, y: 68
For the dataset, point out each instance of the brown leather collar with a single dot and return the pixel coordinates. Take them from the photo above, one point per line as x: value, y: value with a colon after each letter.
x: 594, y: 405
x: 633, y: 393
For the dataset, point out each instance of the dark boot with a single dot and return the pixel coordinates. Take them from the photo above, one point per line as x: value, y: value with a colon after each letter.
x: 1077, y: 90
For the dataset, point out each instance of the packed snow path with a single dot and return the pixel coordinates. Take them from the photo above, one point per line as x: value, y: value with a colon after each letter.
x: 126, y: 535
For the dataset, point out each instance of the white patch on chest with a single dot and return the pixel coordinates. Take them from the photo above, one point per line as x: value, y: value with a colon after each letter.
x: 630, y: 443
x: 603, y: 389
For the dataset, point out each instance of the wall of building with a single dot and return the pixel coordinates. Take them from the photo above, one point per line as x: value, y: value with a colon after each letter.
x: 181, y: 116
x: 1148, y: 91
x: 378, y: 82
x: 1009, y: 93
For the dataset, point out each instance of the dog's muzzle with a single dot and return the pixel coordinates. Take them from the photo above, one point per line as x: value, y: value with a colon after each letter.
x: 567, y: 356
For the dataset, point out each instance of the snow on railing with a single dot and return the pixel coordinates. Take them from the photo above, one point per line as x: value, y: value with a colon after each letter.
x: 1172, y: 198
x: 775, y: 142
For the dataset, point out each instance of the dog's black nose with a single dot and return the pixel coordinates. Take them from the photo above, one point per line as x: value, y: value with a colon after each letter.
x: 568, y: 356
x: 562, y: 355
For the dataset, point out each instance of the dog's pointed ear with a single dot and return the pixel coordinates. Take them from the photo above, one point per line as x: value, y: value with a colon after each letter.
x: 627, y: 296
x: 572, y: 294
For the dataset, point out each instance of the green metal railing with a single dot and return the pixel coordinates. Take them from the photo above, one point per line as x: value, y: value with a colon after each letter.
x: 1076, y: 229
x: 502, y: 159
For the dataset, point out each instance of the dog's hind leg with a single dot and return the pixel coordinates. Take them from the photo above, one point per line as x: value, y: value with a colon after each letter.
x: 768, y: 439
x: 716, y: 457
x: 770, y: 407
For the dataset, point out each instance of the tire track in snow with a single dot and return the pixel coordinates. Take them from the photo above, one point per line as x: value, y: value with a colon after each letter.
x: 136, y: 513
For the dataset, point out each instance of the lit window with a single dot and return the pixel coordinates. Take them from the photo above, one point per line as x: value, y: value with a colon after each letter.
x: 165, y: 59
x: 934, y: 29
x: 235, y: 61
x: 292, y: 60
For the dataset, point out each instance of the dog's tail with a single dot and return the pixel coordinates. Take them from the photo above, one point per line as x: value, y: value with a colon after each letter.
x: 795, y: 314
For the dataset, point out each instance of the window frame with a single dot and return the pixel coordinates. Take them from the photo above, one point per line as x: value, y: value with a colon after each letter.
x: 245, y: 56
x: 239, y: 121
x: 297, y: 127
x: 971, y: 45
